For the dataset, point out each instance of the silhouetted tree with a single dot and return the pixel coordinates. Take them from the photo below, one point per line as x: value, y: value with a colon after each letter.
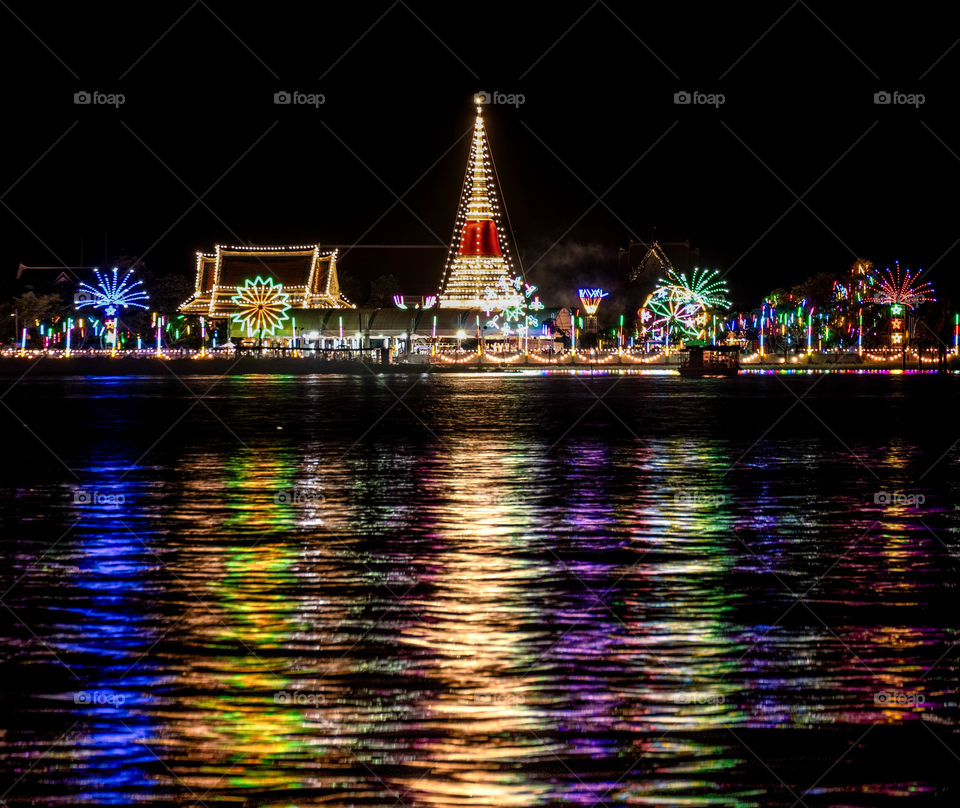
x: 382, y: 288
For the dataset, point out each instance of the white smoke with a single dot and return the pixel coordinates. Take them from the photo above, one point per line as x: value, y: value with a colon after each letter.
x: 558, y: 270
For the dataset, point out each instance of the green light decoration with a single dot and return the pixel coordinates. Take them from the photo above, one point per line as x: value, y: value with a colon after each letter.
x: 703, y: 287
x: 263, y: 305
x: 679, y: 307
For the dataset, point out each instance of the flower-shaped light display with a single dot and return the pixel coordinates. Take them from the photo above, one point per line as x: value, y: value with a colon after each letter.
x: 262, y: 305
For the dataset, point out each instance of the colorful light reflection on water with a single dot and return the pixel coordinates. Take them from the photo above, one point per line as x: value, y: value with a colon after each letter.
x: 512, y: 594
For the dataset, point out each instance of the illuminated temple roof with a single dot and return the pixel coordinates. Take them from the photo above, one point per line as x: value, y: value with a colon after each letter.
x: 307, y: 273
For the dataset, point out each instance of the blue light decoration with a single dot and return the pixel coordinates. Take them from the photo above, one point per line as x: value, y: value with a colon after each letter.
x: 111, y: 294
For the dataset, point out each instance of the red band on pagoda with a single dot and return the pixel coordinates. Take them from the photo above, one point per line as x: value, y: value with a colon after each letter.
x: 479, y: 238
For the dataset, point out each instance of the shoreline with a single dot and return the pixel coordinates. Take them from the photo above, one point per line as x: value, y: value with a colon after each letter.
x: 47, y: 366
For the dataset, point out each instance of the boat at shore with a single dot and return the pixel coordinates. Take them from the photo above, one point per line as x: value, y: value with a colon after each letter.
x: 700, y: 361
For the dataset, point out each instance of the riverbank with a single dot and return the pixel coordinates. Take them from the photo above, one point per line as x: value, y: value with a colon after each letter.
x: 15, y: 367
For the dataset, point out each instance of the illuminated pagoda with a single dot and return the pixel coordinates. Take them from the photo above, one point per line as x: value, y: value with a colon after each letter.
x: 479, y: 256
x: 306, y: 273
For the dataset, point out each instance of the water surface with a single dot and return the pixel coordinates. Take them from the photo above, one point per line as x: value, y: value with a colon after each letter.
x: 480, y: 590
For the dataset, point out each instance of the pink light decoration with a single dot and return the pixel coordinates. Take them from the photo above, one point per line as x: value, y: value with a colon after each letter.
x: 902, y: 290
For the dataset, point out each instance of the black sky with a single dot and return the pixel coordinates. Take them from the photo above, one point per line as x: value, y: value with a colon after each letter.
x: 598, y: 79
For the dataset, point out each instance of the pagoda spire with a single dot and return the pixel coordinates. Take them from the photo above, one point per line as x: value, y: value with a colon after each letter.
x: 479, y: 257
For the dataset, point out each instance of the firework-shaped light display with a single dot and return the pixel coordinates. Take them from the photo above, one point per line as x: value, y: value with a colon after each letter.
x: 262, y: 305
x: 590, y: 299
x: 679, y: 305
x: 703, y: 287
x: 898, y: 289
x: 113, y: 292
x: 512, y: 303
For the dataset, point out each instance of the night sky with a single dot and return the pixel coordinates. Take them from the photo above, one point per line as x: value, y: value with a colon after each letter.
x: 598, y: 119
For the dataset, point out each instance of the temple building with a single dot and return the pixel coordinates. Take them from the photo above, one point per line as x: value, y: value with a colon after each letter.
x: 642, y: 265
x: 641, y: 261
x: 289, y: 297
x: 365, y: 328
x: 479, y: 257
x: 307, y: 274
